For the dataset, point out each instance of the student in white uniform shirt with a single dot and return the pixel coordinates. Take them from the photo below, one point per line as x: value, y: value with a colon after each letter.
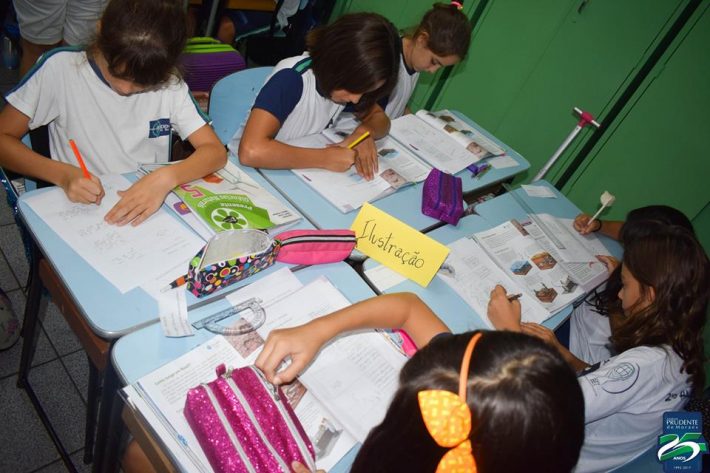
x: 353, y: 60
x: 119, y: 100
x: 441, y: 39
x: 652, y: 361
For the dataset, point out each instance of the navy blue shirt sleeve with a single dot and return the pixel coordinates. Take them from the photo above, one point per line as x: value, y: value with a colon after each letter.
x: 280, y: 94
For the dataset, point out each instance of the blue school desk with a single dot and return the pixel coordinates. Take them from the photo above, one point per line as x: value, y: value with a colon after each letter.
x: 443, y: 300
x: 145, y: 350
x: 404, y: 204
x: 93, y: 304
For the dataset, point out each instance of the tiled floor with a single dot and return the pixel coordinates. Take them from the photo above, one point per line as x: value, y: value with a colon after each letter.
x: 59, y: 374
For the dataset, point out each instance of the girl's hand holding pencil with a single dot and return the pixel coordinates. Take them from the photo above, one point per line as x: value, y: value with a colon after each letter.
x: 365, y: 153
x: 504, y: 309
x: 78, y: 184
x: 366, y: 161
x: 338, y: 158
x: 582, y: 223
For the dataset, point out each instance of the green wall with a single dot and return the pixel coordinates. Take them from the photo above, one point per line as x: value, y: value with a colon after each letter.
x: 530, y: 63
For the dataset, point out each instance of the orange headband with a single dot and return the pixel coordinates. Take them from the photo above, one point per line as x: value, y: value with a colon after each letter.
x: 448, y: 420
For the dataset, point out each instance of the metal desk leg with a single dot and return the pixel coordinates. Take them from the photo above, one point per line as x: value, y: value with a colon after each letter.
x: 107, y: 439
x: 30, y: 326
x: 30, y: 334
x: 91, y: 411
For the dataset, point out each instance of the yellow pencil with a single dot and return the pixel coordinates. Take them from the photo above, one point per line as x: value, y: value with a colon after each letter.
x: 359, y: 140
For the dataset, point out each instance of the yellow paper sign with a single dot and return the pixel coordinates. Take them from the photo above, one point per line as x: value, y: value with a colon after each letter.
x: 397, y: 245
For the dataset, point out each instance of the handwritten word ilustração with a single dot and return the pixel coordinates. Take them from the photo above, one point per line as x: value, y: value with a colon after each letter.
x: 410, y: 258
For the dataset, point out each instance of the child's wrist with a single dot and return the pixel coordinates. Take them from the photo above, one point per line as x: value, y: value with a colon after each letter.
x: 598, y: 227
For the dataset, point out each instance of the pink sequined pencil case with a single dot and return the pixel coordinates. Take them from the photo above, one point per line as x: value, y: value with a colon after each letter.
x: 244, y: 424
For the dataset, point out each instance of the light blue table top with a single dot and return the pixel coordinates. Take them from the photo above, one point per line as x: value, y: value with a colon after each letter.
x: 443, y: 300
x: 145, y: 350
x: 405, y: 204
x: 109, y: 313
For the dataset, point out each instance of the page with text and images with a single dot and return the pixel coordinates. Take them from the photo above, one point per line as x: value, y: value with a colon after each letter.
x: 532, y: 267
x: 347, y: 191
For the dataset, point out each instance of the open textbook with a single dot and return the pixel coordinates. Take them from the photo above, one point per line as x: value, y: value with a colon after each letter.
x: 338, y: 399
x: 227, y: 200
x: 443, y: 140
x: 550, y: 272
x: 347, y: 190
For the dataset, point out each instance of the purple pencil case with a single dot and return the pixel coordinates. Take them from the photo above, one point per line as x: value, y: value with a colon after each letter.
x: 442, y: 197
x: 244, y: 424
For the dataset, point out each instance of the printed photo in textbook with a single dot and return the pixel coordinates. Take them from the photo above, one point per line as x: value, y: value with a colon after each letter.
x: 347, y: 191
x: 520, y: 256
x: 443, y: 140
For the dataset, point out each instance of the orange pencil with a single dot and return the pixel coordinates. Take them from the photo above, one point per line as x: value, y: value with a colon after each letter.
x: 78, y: 158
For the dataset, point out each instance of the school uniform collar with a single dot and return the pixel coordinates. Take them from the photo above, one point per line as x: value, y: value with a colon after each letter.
x: 98, y: 73
x: 410, y: 71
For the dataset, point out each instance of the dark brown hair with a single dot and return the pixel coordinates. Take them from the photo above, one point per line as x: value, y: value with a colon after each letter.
x: 670, y: 260
x: 527, y: 408
x: 448, y: 30
x: 141, y: 40
x: 355, y: 53
x: 606, y: 300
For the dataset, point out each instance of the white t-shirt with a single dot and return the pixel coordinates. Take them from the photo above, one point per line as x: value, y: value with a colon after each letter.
x: 402, y: 92
x: 114, y: 133
x: 625, y: 397
x: 589, y: 334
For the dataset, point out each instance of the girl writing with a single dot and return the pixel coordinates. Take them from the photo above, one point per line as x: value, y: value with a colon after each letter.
x: 353, y: 60
x: 520, y: 395
x: 653, y: 359
x: 119, y: 100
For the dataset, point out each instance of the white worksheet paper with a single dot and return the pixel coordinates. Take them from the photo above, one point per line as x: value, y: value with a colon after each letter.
x: 126, y: 256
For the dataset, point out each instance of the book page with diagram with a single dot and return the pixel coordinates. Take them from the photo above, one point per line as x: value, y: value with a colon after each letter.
x: 529, y: 265
x: 474, y: 275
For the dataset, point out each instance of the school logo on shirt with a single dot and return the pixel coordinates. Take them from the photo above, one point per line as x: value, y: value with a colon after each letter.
x: 159, y: 127
x: 682, y: 444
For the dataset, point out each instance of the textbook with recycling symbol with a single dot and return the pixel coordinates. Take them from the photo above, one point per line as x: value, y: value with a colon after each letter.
x: 230, y: 199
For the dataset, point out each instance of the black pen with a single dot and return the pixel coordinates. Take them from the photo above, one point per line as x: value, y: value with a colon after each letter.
x: 514, y: 297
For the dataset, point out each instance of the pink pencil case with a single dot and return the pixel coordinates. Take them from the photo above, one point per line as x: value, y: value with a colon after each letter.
x: 237, y: 254
x: 244, y: 424
x: 315, y: 246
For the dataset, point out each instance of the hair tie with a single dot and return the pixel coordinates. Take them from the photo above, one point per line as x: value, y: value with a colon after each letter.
x: 447, y: 418
x: 457, y: 4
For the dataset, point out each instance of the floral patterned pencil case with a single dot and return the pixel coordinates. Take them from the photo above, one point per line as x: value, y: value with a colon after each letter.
x: 234, y: 255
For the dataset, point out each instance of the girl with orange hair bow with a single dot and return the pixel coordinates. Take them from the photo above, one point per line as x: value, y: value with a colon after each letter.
x: 509, y: 404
